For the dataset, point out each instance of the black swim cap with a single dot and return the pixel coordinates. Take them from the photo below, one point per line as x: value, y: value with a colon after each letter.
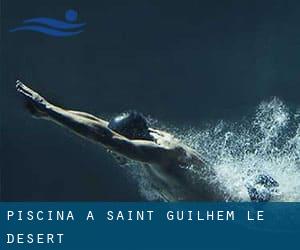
x: 132, y: 125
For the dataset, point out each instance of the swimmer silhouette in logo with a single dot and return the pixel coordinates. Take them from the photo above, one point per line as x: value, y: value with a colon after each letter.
x: 164, y: 156
x: 53, y: 27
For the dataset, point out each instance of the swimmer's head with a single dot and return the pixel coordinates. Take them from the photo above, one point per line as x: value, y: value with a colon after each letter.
x: 132, y: 125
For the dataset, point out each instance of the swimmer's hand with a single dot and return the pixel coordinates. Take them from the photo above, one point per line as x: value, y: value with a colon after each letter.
x: 35, y: 103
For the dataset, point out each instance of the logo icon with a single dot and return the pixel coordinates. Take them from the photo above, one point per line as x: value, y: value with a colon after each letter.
x: 53, y: 27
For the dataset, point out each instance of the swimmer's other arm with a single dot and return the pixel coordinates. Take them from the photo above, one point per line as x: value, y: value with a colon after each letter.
x: 95, y: 129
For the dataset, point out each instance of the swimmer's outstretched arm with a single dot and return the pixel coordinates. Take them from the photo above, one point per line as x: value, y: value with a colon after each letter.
x: 95, y: 129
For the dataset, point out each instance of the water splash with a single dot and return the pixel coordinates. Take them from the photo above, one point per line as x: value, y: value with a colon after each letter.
x: 267, y: 142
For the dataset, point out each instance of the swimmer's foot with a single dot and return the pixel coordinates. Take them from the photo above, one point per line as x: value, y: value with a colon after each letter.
x: 263, y: 188
x: 34, y: 103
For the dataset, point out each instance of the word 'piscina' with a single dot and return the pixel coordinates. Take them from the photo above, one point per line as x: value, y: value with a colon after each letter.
x: 40, y: 215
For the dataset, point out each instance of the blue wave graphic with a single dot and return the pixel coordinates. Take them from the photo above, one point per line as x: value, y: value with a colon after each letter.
x: 53, y: 23
x: 47, y: 31
x: 53, y: 27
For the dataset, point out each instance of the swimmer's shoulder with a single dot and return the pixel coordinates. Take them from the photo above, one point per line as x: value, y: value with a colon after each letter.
x: 185, y: 155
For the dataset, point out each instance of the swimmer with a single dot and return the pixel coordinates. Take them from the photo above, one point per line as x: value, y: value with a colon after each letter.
x: 129, y: 136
